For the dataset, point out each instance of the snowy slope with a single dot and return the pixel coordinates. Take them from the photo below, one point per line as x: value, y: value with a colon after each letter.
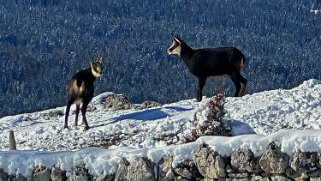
x: 292, y: 117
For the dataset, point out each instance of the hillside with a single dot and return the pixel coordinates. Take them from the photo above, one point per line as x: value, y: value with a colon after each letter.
x: 289, y: 116
x: 44, y: 42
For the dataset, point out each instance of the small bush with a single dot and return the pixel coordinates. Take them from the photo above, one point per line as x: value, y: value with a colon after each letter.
x: 212, y: 121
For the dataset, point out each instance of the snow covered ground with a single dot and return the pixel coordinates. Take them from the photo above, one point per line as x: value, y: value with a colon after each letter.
x: 291, y: 117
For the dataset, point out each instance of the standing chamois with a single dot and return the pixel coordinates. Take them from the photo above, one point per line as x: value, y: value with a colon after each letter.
x: 81, y: 89
x: 208, y: 62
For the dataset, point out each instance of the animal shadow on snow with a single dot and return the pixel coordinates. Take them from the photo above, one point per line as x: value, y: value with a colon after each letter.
x: 151, y: 114
x: 146, y: 115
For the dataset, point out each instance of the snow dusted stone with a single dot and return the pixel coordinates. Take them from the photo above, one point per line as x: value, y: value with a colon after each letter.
x: 273, y: 161
x: 139, y: 169
x: 148, y: 104
x: 3, y: 175
x: 166, y: 172
x: 315, y: 178
x: 52, y: 114
x: 304, y: 162
x: 280, y: 178
x: 39, y: 173
x: 57, y: 174
x: 80, y: 173
x: 117, y: 102
x: 210, y: 164
x: 105, y: 178
x: 244, y: 161
x: 187, y: 170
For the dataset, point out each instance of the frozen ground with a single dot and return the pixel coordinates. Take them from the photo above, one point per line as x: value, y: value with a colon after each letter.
x: 292, y: 117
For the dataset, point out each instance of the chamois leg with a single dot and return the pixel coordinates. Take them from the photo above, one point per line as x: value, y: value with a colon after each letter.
x: 77, y: 113
x: 240, y: 84
x: 67, y: 113
x: 201, y: 84
x: 83, y: 112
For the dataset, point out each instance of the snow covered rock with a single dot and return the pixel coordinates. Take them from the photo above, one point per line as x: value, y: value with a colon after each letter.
x: 117, y: 102
x: 39, y: 173
x: 166, y: 172
x: 243, y: 160
x: 57, y: 174
x: 148, y: 104
x: 273, y: 161
x: 138, y: 169
x: 210, y: 164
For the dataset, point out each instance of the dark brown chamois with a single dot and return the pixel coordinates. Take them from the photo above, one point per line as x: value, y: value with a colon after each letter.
x: 81, y: 90
x: 207, y: 62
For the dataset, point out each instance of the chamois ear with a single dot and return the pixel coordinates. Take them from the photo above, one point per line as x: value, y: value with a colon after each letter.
x: 176, y: 38
x: 100, y: 59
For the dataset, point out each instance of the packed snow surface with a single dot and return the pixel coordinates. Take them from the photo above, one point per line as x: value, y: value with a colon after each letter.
x: 290, y: 117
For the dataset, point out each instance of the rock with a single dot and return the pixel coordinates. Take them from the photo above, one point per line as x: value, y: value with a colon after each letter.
x: 304, y: 162
x: 280, y: 178
x: 259, y: 178
x: 188, y: 170
x: 17, y: 178
x: 117, y: 102
x: 148, y: 104
x: 39, y: 173
x: 209, y: 163
x: 52, y: 114
x: 80, y: 173
x: 273, y: 161
x: 105, y: 178
x: 244, y: 161
x: 139, y: 169
x: 165, y: 169
x: 315, y: 178
x: 3, y: 175
x: 58, y: 175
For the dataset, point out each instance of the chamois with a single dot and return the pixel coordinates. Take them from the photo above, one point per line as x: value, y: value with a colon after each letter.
x: 81, y: 90
x: 207, y: 62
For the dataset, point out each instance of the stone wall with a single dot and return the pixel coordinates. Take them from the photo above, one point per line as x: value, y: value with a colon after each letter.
x: 205, y: 164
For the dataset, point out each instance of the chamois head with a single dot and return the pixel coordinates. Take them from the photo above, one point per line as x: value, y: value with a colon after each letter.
x: 176, y: 47
x: 96, y: 66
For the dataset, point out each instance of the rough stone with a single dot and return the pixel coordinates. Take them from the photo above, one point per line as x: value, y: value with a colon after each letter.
x: 52, y: 114
x: 39, y: 173
x: 166, y: 172
x: 304, y: 162
x: 139, y: 169
x: 58, y: 175
x: 280, y: 178
x: 80, y: 173
x: 209, y: 163
x: 148, y: 104
x: 117, y: 102
x: 273, y: 161
x: 315, y: 179
x: 188, y: 170
x: 17, y: 178
x: 259, y: 178
x: 105, y: 178
x: 3, y: 175
x: 244, y: 161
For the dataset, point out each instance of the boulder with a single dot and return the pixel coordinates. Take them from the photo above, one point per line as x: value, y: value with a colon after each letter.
x: 210, y: 164
x: 117, y: 102
x: 58, y: 175
x: 244, y: 161
x: 273, y: 161
x: 39, y: 173
x: 139, y: 169
x: 166, y: 172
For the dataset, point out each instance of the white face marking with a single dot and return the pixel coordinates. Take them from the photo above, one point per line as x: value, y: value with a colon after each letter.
x: 94, y: 72
x: 175, y: 48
